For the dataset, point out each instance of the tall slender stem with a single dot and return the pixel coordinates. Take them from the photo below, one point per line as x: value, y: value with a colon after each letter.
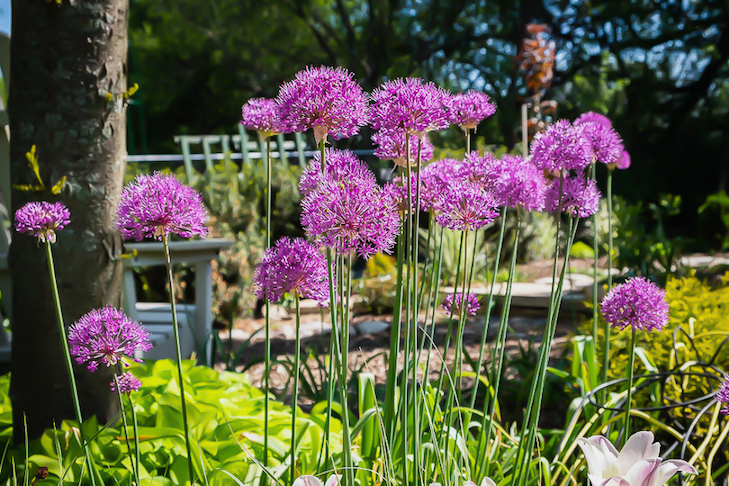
x: 267, y: 317
x: 67, y: 357
x: 606, y: 346
x: 135, y: 431
x: 295, y: 393
x: 178, y: 354
x: 132, y: 459
x: 595, y: 256
x: 344, y: 363
x: 629, y: 398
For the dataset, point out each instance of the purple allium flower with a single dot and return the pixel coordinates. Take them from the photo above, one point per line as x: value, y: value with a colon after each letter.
x: 471, y: 108
x: 292, y: 266
x: 580, y: 196
x: 464, y: 206
x: 518, y: 183
x: 128, y: 383
x: 411, y: 106
x: 606, y: 143
x: 325, y: 99
x: 261, y: 115
x: 561, y: 147
x: 722, y: 396
x: 351, y: 217
x: 340, y: 165
x: 453, y: 304
x: 153, y: 206
x: 390, y: 145
x: 434, y: 178
x: 623, y: 161
x: 592, y: 117
x: 106, y: 336
x: 42, y: 219
x: 638, y: 303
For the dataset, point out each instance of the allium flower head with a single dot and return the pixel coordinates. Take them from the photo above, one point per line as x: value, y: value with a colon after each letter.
x: 453, y: 303
x: 42, y: 219
x: 592, y: 117
x: 153, y: 206
x: 483, y: 170
x: 579, y: 196
x: 351, y: 217
x: 623, y: 161
x: 390, y: 145
x: 410, y: 105
x: 464, y: 206
x: 637, y: 464
x: 471, y: 108
x: 434, y: 178
x: 518, y: 183
x: 325, y: 99
x: 128, y: 383
x: 292, y: 266
x: 341, y: 165
x: 606, y: 143
x: 106, y: 336
x: 722, y: 396
x: 261, y: 115
x: 561, y: 147
x: 638, y: 303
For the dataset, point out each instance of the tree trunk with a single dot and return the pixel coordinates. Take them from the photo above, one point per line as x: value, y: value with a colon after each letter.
x: 68, y: 68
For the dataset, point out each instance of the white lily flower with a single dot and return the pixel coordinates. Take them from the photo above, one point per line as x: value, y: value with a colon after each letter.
x: 637, y: 464
x: 308, y: 480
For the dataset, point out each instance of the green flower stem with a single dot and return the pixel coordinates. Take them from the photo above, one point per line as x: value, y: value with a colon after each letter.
x: 67, y: 357
x: 132, y: 458
x: 541, y: 373
x: 135, y: 431
x: 267, y: 319
x: 295, y: 392
x: 606, y: 328
x: 629, y: 399
x: 432, y: 299
x: 468, y: 140
x: 405, y: 392
x: 390, y: 416
x: 344, y: 353
x: 499, y: 350
x: 489, y: 304
x: 595, y: 256
x: 178, y: 353
x: 416, y: 311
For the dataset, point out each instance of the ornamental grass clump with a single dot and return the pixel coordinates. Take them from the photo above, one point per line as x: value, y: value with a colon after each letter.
x: 641, y: 305
x: 296, y: 267
x: 158, y: 206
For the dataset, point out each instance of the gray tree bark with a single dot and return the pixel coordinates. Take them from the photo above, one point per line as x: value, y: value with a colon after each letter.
x: 68, y: 72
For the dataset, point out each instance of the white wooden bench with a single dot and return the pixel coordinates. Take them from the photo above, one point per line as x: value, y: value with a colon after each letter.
x: 194, y: 320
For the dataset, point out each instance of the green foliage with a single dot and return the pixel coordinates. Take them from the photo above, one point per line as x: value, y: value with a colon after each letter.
x: 642, y: 244
x: 226, y: 417
x: 714, y: 220
x: 378, y: 284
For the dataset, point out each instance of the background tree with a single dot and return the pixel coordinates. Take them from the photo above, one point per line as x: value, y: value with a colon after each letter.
x: 68, y: 79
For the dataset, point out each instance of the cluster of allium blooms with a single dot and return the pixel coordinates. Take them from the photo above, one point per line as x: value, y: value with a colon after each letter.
x: 390, y: 145
x: 340, y: 165
x: 464, y: 206
x: 606, y: 143
x: 637, y: 464
x: 592, y: 117
x: 722, y: 396
x: 434, y: 178
x: 519, y: 184
x: 292, y: 266
x: 42, y: 219
x: 410, y: 105
x: 575, y: 195
x: 128, y: 383
x: 453, y: 303
x: 561, y: 147
x: 353, y: 216
x: 106, y: 336
x: 638, y: 303
x: 261, y: 115
x: 154, y: 206
x: 470, y: 108
x: 623, y: 161
x: 325, y: 99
